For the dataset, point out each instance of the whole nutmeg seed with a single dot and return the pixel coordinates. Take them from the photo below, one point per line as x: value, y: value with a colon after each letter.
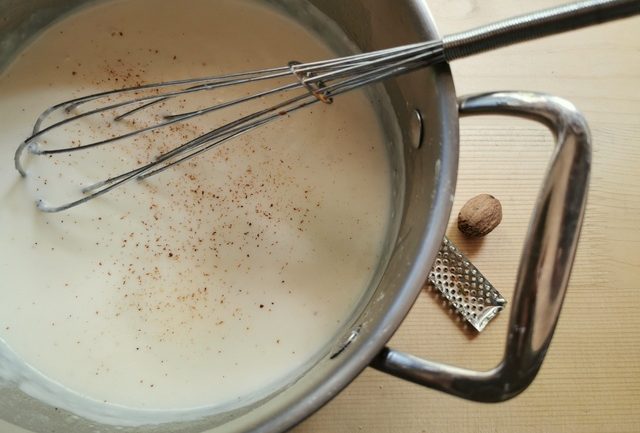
x: 480, y: 215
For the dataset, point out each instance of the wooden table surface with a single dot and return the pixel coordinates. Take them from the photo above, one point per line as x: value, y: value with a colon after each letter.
x: 590, y: 380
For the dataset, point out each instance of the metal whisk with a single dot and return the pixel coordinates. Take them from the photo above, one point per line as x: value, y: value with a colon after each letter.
x: 309, y: 83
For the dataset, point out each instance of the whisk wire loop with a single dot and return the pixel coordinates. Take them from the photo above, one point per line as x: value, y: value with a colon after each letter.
x: 319, y: 81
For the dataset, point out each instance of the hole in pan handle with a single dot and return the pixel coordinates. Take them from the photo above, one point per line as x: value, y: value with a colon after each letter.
x: 547, y: 257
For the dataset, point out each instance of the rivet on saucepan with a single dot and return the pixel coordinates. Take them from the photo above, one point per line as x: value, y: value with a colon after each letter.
x: 415, y: 130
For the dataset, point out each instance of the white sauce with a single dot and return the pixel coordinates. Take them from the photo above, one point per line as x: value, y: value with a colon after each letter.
x: 214, y: 281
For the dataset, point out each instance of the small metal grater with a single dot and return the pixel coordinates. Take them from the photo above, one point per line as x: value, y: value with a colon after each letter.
x: 464, y: 287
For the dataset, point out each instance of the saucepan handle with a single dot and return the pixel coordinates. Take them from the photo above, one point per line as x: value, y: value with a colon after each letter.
x: 546, y: 262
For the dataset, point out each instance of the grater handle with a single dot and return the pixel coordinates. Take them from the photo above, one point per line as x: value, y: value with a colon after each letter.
x: 546, y: 261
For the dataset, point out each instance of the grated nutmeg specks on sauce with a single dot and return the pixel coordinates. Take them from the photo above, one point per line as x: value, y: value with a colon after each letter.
x: 213, y: 281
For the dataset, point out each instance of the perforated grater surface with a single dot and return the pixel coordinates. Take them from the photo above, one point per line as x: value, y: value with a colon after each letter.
x: 464, y: 287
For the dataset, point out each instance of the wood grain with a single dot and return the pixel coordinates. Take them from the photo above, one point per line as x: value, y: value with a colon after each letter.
x: 590, y: 381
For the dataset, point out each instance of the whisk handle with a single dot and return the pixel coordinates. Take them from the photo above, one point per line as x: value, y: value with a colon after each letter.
x: 536, y: 25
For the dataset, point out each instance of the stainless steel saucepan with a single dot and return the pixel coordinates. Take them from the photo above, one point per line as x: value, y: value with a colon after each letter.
x: 421, y: 118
